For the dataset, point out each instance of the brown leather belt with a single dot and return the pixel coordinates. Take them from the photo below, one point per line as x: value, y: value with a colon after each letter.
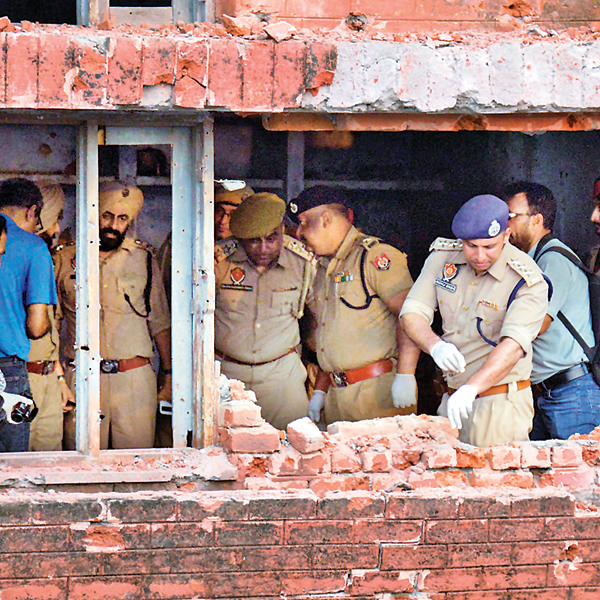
x: 499, y: 389
x: 341, y: 379
x: 227, y: 358
x: 41, y: 367
x: 124, y: 364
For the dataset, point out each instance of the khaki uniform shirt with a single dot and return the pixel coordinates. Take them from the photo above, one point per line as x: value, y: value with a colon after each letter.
x: 47, y: 347
x: 256, y: 317
x: 123, y: 333
x: 447, y: 282
x: 349, y: 338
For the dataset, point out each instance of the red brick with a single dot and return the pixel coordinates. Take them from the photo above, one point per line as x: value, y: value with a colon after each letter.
x: 225, y: 74
x: 54, y: 62
x: 372, y: 428
x: 413, y: 557
x: 581, y: 527
x: 470, y: 457
x: 373, y: 581
x: 289, y: 65
x: 105, y: 588
x: 345, y: 460
x: 322, y: 57
x: 591, y: 454
x: 22, y: 70
x: 438, y: 457
x: 350, y: 505
x: 248, y: 533
x: 174, y: 535
x: 136, y: 562
x: 40, y: 589
x: 480, y: 507
x: 380, y: 530
x: 125, y: 71
x: 131, y: 536
x: 191, y: 74
x: 404, y: 506
x: 581, y: 477
x: 532, y: 457
x: 332, y: 9
x: 343, y: 483
x: 250, y: 439
x: 536, y: 553
x: 240, y: 414
x: 305, y: 436
x: 405, y: 457
x: 389, y: 482
x: 258, y: 68
x: 484, y: 478
x: 228, y: 507
x: 274, y: 506
x: 143, y: 508
x: 89, y: 80
x: 317, y: 532
x: 56, y: 511
x: 360, y: 556
x: 375, y: 460
x: 158, y: 65
x: 35, y: 539
x: 543, y: 506
x: 439, y: 479
x: 479, y: 555
x: 263, y: 484
x: 566, y: 456
x: 569, y: 574
x: 452, y: 532
x: 276, y: 558
x: 506, y: 530
x: 505, y: 457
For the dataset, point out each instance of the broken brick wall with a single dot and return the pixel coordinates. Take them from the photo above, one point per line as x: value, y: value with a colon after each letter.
x: 409, y: 16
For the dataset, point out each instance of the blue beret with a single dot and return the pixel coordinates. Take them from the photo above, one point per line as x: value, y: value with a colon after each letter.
x: 482, y: 217
x: 315, y: 196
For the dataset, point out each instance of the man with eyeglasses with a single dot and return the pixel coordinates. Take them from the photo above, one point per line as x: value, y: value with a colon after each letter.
x: 567, y: 397
x: 27, y: 290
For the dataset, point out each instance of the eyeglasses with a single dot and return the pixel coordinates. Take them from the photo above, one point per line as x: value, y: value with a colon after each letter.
x: 512, y: 215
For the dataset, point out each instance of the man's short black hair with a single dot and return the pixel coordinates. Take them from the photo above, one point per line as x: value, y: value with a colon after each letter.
x: 2, y: 224
x: 20, y: 192
x: 540, y: 199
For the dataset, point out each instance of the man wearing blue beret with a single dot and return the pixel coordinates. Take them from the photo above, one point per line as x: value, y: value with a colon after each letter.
x: 492, y: 298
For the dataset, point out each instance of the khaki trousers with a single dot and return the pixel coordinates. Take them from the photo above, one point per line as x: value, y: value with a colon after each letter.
x: 497, y: 419
x: 368, y: 399
x: 128, y: 406
x: 46, y: 430
x: 279, y: 387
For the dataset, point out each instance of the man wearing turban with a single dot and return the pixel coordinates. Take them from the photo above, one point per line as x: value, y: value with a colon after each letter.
x: 50, y: 391
x: 133, y: 314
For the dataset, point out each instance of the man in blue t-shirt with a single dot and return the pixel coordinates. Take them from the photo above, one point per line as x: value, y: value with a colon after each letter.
x: 27, y: 288
x: 567, y: 397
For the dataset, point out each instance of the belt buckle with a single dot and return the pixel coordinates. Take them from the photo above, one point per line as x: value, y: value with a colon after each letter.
x: 109, y: 366
x: 339, y: 380
x: 47, y: 367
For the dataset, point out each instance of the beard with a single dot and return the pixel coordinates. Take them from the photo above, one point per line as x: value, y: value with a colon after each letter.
x: 108, y: 242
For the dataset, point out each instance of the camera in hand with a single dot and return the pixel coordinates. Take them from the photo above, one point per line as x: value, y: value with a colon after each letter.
x: 21, y: 412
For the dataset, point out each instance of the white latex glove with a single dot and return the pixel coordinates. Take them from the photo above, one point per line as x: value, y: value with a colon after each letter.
x: 404, y: 390
x: 460, y: 405
x: 316, y: 404
x: 9, y: 402
x: 448, y: 357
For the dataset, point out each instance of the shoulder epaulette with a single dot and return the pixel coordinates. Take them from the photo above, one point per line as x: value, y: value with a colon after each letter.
x: 369, y: 242
x: 299, y: 249
x: 61, y: 247
x: 145, y: 246
x: 224, y: 249
x: 530, y: 275
x: 446, y: 244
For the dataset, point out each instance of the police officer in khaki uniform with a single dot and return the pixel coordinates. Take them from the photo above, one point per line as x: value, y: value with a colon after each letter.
x: 367, y: 362
x: 50, y: 391
x: 262, y: 280
x: 133, y: 315
x: 492, y: 298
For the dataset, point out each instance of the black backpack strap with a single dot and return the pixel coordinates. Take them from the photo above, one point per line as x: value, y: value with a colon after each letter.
x: 541, y: 245
x: 569, y: 255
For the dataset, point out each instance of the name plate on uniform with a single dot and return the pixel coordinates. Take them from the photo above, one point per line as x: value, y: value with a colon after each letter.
x: 445, y: 285
x: 241, y: 288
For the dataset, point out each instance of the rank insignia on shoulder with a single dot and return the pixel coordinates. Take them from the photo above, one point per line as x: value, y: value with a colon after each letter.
x: 446, y: 244
x: 145, y: 246
x: 237, y: 275
x: 223, y: 250
x: 490, y: 304
x: 529, y: 275
x: 298, y: 248
x: 382, y: 262
x: 343, y: 276
x: 369, y: 242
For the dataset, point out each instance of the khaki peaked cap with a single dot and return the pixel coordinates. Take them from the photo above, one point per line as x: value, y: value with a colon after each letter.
x: 257, y: 216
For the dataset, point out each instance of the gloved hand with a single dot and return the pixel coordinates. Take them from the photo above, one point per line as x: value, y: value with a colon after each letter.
x: 460, y: 405
x: 404, y: 390
x: 448, y: 357
x: 316, y: 404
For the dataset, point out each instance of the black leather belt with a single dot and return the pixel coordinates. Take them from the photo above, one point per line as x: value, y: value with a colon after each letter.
x: 562, y: 377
